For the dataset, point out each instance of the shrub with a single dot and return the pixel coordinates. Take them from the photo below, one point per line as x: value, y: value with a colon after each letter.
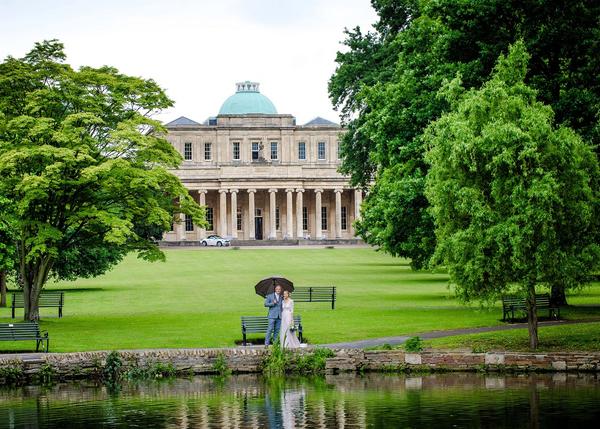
x: 220, y: 365
x: 313, y: 363
x: 12, y: 374
x: 277, y: 362
x: 111, y: 373
x: 413, y: 345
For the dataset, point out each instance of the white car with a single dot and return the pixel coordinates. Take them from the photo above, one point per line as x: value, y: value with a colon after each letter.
x: 215, y: 240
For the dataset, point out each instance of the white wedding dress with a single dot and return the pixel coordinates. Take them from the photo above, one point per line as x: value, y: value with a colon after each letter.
x: 288, y: 338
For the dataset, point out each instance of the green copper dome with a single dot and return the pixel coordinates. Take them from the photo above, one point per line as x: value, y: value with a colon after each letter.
x: 247, y: 99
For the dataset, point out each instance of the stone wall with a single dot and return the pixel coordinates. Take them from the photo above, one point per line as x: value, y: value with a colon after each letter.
x: 389, y: 360
x: 249, y: 360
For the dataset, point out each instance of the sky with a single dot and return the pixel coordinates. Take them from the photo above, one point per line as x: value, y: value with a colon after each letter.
x: 198, y: 50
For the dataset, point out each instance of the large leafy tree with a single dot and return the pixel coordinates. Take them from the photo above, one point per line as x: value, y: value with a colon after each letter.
x: 84, y: 170
x: 515, y: 199
x: 387, y: 81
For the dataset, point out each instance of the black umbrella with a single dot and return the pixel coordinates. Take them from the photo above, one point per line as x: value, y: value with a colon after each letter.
x: 267, y: 286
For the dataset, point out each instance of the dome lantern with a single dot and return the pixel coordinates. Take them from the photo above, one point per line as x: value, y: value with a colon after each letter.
x: 247, y: 100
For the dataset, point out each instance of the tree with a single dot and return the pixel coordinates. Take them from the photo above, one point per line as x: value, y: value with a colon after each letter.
x: 515, y: 199
x: 84, y: 170
x: 385, y: 86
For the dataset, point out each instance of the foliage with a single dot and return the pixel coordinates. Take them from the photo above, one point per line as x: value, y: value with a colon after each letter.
x: 277, y: 361
x: 112, y: 369
x: 84, y: 170
x: 161, y: 370
x: 386, y: 83
x: 220, y: 366
x: 12, y: 374
x: 313, y: 362
x: 281, y: 361
x: 515, y: 200
x: 47, y: 374
x: 413, y: 345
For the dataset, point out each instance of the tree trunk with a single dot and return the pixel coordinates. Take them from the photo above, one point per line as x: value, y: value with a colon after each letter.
x: 2, y: 288
x: 557, y: 295
x: 532, y: 320
x: 34, y: 276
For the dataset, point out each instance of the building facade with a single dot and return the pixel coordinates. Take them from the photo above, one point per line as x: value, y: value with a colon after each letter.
x: 261, y: 176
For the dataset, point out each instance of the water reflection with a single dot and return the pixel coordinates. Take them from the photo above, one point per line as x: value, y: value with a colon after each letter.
x: 343, y: 401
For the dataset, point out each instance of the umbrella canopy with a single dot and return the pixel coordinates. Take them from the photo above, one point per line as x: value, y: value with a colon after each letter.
x: 267, y: 286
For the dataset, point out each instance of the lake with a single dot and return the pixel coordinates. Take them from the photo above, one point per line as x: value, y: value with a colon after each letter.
x: 452, y: 400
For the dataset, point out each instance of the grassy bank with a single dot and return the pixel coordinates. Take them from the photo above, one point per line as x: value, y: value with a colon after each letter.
x: 196, y: 299
x: 581, y: 337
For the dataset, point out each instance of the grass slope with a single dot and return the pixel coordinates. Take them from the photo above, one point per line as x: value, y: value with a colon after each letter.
x: 196, y: 299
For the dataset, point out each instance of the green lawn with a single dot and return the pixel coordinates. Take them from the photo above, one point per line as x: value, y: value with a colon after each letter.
x: 196, y: 299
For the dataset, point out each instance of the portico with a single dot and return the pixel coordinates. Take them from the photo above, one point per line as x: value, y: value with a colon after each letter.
x: 279, y: 213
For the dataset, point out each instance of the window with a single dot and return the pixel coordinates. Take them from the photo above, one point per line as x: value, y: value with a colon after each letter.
x: 187, y: 151
x: 255, y: 151
x: 189, y: 224
x: 172, y: 225
x: 210, y: 219
x: 301, y: 151
x: 236, y: 151
x: 339, y: 150
x: 305, y: 218
x: 212, y: 121
x: 274, y: 150
x: 239, y: 219
x: 321, y: 150
x: 344, y: 218
x: 324, y: 218
x: 277, y: 218
x: 207, y: 151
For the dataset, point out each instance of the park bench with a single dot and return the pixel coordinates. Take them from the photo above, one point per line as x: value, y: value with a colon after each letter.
x: 259, y: 324
x: 511, y: 304
x: 50, y: 298
x: 24, y: 331
x: 315, y: 294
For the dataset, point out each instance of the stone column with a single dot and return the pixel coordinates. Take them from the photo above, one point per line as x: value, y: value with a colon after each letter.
x: 179, y: 226
x: 202, y: 201
x: 338, y: 213
x: 357, y: 203
x: 299, y: 204
x: 234, y: 193
x: 272, y: 203
x: 318, y: 223
x: 251, y: 215
x: 289, y: 230
x: 222, y: 212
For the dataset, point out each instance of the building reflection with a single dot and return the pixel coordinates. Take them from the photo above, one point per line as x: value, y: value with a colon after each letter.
x: 341, y: 401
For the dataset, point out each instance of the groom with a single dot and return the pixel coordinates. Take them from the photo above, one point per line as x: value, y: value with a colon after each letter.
x: 273, y: 302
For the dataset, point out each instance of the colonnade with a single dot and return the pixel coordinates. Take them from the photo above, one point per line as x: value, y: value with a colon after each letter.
x: 294, y: 226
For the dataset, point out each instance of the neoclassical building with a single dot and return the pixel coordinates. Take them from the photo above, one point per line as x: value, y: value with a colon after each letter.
x: 261, y: 176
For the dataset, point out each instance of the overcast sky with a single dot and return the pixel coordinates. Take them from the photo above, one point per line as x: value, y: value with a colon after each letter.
x: 198, y: 50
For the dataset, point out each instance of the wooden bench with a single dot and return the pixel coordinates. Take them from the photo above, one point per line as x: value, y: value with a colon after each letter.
x: 259, y: 324
x: 24, y: 331
x: 315, y: 294
x: 50, y: 298
x: 511, y: 304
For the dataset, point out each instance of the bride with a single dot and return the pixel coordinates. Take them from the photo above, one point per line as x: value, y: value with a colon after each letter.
x: 287, y: 336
